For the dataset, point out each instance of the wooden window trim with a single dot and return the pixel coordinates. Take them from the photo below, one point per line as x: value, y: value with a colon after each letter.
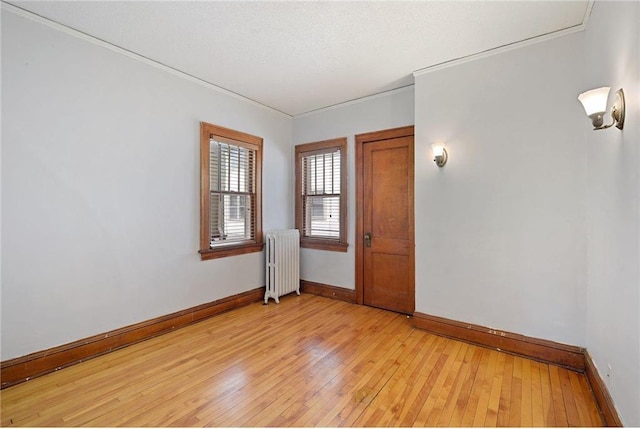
x: 306, y: 149
x: 237, y: 138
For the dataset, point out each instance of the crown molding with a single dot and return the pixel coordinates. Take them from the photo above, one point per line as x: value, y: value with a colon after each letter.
x: 8, y: 7
x: 364, y: 99
x: 509, y: 47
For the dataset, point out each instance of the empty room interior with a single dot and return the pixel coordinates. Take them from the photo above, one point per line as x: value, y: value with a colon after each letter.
x: 320, y: 213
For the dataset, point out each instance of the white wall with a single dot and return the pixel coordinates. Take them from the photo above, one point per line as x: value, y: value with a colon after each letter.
x: 501, y: 229
x: 612, y: 51
x: 100, y: 189
x: 390, y: 110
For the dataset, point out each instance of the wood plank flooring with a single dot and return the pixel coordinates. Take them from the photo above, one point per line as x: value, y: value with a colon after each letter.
x: 309, y: 361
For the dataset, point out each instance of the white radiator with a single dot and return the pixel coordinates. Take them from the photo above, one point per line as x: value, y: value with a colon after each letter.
x: 282, y: 264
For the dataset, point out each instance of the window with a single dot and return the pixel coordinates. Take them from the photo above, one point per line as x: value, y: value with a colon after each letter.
x: 230, y: 199
x: 321, y: 194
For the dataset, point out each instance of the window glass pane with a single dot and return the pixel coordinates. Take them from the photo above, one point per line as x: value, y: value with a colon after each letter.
x: 214, y: 165
x: 321, y: 194
x: 237, y: 217
x: 214, y: 218
x: 321, y: 174
x: 322, y: 216
x: 232, y: 185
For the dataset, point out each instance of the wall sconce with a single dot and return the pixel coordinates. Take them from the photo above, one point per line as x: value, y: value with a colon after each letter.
x: 440, y: 154
x: 595, y: 105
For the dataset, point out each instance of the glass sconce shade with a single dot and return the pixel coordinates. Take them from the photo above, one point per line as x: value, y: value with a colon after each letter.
x: 595, y: 106
x: 438, y: 149
x: 595, y: 100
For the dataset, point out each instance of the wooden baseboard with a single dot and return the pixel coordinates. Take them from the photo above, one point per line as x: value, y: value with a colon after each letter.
x: 608, y: 410
x: 24, y: 368
x: 348, y: 295
x: 571, y: 357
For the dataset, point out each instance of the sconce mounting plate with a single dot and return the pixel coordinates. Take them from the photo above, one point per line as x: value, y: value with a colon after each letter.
x: 618, y: 109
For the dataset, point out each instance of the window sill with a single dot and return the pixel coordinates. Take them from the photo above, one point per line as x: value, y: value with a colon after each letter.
x: 330, y: 245
x: 232, y: 250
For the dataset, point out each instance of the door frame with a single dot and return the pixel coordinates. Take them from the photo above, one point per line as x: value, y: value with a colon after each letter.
x: 360, y: 141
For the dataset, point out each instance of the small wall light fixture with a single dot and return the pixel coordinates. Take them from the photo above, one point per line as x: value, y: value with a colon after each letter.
x: 440, y: 154
x: 595, y: 105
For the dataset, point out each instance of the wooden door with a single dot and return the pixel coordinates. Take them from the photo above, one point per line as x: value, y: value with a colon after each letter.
x: 386, y: 220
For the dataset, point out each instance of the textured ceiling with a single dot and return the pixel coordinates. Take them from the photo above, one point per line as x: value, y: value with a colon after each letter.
x: 297, y: 57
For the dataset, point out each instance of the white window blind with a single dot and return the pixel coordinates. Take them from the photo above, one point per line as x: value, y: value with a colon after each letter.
x: 232, y: 172
x: 321, y: 194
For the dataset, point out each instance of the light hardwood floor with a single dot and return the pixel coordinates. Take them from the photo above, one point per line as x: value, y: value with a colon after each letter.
x: 309, y: 361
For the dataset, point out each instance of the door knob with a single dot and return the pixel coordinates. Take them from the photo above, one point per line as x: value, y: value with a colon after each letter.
x: 367, y: 239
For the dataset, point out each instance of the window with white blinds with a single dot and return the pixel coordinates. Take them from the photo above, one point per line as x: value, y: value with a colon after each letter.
x: 231, y: 200
x: 321, y: 190
x: 321, y: 194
